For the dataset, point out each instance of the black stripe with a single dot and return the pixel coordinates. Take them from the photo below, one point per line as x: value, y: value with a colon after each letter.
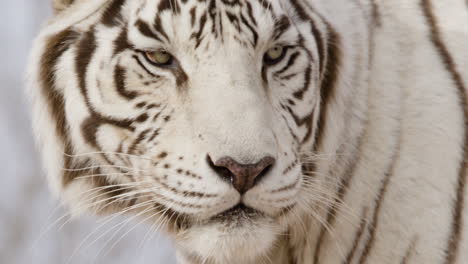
x: 373, y: 225
x: 299, y: 121
x: 145, y: 30
x: 119, y: 79
x: 154, y: 135
x: 455, y: 236
x: 169, y: 5
x: 55, y: 48
x: 264, y: 74
x: 213, y: 12
x: 329, y: 61
x: 122, y: 159
x: 85, y: 51
x: 112, y: 15
x: 137, y: 59
x: 281, y: 26
x: 159, y: 28
x: 307, y: 120
x: 343, y: 188
x: 254, y: 32
x: 265, y: 4
x: 138, y: 140
x: 121, y: 43
x: 234, y: 20
x: 409, y: 252
x: 319, y: 40
x: 376, y: 16
x: 180, y: 76
x: 320, y: 46
x: 198, y: 36
x: 250, y: 13
x: 232, y: 3
x: 378, y: 202
x: 357, y: 237
x: 291, y: 61
x: 329, y: 64
x: 193, y: 15
x: 307, y: 78
x: 221, y: 27
x: 293, y: 135
x: 329, y: 82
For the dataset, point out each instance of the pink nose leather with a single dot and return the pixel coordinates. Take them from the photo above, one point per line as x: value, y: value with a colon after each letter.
x: 243, y: 177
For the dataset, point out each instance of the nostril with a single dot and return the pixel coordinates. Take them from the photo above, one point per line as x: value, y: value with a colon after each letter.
x: 243, y: 177
x: 262, y: 174
x: 221, y: 171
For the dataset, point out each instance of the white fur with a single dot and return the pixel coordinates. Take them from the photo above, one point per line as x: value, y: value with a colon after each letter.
x: 395, y: 112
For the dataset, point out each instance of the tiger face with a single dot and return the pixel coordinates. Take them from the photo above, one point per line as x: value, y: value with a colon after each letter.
x: 196, y: 114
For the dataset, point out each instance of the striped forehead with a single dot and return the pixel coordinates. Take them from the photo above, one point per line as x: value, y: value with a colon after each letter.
x: 169, y: 22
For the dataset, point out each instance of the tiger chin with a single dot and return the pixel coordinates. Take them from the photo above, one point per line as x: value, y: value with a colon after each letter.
x: 262, y: 131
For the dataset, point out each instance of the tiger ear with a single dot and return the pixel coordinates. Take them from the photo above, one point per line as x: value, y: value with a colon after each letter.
x: 60, y: 5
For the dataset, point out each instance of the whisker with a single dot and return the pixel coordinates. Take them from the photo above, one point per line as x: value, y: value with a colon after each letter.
x: 97, y: 167
x: 154, y: 228
x: 79, y: 155
x: 103, y: 175
x: 326, y: 207
x: 110, y: 218
x: 161, y: 224
x: 328, y: 229
x: 128, y: 231
x: 116, y: 199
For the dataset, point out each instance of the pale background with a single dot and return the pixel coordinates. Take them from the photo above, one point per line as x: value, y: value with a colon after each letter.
x: 27, y: 210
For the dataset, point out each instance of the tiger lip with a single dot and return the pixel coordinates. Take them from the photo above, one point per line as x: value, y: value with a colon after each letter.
x: 238, y: 210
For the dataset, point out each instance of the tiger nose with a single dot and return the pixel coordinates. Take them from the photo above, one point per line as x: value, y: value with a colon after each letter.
x: 243, y: 177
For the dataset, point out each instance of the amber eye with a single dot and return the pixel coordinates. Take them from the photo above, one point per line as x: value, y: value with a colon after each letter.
x: 274, y: 55
x: 159, y: 57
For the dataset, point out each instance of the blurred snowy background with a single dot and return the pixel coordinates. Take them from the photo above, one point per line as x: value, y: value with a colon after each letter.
x: 27, y: 210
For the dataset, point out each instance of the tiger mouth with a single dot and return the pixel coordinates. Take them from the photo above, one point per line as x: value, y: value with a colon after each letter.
x: 237, y: 214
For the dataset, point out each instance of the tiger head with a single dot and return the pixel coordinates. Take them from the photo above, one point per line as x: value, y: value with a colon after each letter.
x: 201, y: 116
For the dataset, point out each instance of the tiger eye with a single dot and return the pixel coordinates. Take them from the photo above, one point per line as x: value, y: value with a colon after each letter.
x: 159, y: 57
x: 275, y: 53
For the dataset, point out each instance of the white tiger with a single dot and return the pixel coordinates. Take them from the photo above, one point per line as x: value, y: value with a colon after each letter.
x: 263, y: 131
